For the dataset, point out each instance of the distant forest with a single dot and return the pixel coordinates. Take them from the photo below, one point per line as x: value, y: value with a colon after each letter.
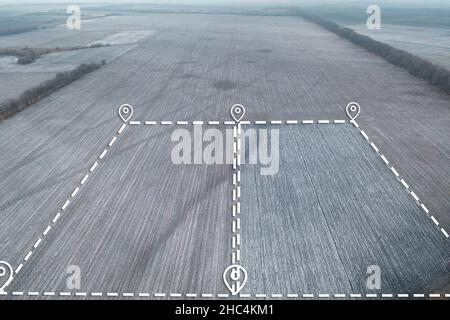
x: 436, y: 75
x: 35, y: 94
x: 29, y: 55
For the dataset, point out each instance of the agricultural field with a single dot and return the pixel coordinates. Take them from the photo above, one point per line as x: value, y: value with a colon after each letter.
x: 432, y: 44
x: 119, y: 33
x: 64, y: 61
x: 23, y: 19
x: 423, y: 32
x: 93, y: 30
x: 13, y: 84
x: 138, y: 223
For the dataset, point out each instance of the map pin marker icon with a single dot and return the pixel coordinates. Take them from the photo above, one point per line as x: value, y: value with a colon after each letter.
x: 6, y: 274
x: 353, y: 109
x: 235, y: 278
x: 237, y: 112
x: 125, y: 112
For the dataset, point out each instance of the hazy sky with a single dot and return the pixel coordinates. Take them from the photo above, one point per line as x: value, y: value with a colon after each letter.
x: 425, y: 2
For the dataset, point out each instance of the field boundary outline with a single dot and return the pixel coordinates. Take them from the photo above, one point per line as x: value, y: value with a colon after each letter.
x: 236, y: 223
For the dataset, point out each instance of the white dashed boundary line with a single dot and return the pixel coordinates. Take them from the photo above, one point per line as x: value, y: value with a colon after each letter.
x: 226, y: 295
x: 291, y: 122
x: 236, y: 241
x: 67, y: 203
x: 236, y: 197
x: 233, y: 123
x: 400, y: 179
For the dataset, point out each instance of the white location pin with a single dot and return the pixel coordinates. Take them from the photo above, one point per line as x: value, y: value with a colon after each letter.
x: 353, y: 109
x: 125, y: 112
x: 237, y: 112
x: 6, y: 274
x: 235, y: 278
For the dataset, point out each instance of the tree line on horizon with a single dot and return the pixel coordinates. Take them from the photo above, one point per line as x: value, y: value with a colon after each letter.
x: 28, y: 55
x: 434, y: 74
